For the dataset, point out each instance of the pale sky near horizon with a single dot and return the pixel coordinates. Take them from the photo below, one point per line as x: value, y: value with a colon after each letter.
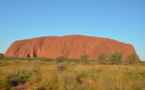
x: 122, y: 20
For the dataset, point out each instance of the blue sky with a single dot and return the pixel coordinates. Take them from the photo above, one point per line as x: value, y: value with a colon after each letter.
x: 122, y: 20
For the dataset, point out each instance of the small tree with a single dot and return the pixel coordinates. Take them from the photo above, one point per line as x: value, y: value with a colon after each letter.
x: 102, y: 57
x: 84, y: 57
x: 132, y: 58
x: 115, y: 58
x: 1, y: 55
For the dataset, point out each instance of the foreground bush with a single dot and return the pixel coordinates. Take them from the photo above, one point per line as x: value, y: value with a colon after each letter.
x: 19, y: 78
x: 61, y: 66
x: 14, y: 79
x: 67, y: 81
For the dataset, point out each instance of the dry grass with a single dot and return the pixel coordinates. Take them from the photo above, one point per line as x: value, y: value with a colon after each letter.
x: 75, y: 76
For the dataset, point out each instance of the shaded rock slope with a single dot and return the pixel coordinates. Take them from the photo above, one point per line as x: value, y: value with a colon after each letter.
x: 71, y: 46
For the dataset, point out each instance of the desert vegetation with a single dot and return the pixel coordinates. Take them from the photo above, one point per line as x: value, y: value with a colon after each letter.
x: 1, y: 56
x: 62, y: 73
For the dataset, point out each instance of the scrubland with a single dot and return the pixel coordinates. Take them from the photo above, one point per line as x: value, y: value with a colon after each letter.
x: 70, y: 75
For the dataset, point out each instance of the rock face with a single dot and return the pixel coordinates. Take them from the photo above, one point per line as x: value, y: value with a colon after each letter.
x: 72, y: 46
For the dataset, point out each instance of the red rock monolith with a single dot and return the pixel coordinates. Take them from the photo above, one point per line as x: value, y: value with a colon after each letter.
x: 71, y: 46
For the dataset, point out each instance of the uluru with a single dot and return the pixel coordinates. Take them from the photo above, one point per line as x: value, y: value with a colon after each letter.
x: 70, y: 46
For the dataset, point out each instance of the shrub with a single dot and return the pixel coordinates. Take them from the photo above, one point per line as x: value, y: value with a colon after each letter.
x: 84, y: 57
x: 73, y: 63
x: 115, y: 58
x: 102, y: 57
x: 132, y: 58
x: 67, y: 81
x: 61, y: 66
x: 36, y: 75
x: 4, y: 85
x: 19, y: 78
x: 60, y: 59
x: 82, y: 74
x: 1, y: 56
x: 4, y: 63
x: 67, y: 78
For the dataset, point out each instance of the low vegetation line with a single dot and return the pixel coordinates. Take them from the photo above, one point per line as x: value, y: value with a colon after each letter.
x: 61, y: 73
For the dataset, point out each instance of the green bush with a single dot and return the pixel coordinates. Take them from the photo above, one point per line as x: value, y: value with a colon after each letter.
x: 61, y: 66
x: 1, y: 56
x: 19, y: 78
x: 102, y: 57
x: 35, y: 75
x: 4, y: 85
x: 115, y: 58
x: 4, y: 63
x: 84, y: 57
x: 60, y: 59
x: 68, y: 81
x: 132, y: 58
